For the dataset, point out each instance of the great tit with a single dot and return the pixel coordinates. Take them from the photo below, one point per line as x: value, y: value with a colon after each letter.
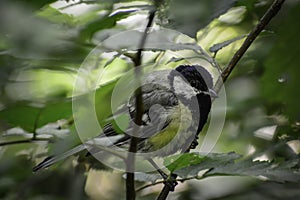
x: 176, y: 105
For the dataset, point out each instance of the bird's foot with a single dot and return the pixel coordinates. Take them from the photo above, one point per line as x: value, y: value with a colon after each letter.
x: 171, y: 182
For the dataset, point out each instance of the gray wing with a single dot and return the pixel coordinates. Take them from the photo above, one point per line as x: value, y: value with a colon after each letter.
x: 158, y: 103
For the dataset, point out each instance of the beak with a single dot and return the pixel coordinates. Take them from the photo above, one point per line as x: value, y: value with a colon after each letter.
x: 213, y: 93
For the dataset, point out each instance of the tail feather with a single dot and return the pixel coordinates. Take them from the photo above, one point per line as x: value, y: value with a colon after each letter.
x: 53, y: 159
x: 89, y: 145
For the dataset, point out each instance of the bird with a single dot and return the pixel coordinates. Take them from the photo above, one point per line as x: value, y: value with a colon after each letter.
x: 176, y: 104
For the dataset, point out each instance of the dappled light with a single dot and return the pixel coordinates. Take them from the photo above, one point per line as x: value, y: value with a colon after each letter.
x: 80, y: 80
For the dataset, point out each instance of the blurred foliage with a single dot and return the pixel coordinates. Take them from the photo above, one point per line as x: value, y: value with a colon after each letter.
x: 45, y: 44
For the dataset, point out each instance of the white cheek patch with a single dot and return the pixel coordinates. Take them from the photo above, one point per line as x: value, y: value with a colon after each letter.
x: 183, y: 88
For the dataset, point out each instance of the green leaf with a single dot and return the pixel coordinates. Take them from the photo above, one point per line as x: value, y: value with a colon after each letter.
x: 20, y: 115
x: 54, y: 112
x: 92, y: 109
x: 282, y: 172
x: 103, y: 100
x: 105, y: 22
x: 229, y: 165
x: 54, y: 15
x: 191, y: 15
x: 143, y: 177
x: 157, y: 40
x: 183, y: 160
x: 30, y: 117
x: 207, y: 162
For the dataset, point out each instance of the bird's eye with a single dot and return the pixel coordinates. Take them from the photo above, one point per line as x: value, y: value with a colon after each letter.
x: 193, y: 83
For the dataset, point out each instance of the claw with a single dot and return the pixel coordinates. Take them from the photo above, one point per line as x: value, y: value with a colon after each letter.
x: 171, y: 182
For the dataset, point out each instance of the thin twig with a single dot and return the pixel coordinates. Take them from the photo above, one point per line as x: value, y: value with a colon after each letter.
x: 166, y: 189
x: 150, y: 185
x: 24, y: 141
x: 264, y: 21
x: 130, y: 187
x: 163, y: 181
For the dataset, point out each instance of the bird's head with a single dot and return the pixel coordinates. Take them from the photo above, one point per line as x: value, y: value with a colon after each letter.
x: 198, y: 77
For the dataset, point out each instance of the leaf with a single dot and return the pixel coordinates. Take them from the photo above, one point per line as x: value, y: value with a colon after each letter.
x: 54, y: 112
x: 20, y: 115
x: 191, y: 15
x: 143, y: 177
x: 105, y: 22
x: 91, y: 109
x: 191, y: 164
x: 281, y: 172
x: 180, y: 161
x: 30, y: 117
x: 54, y: 15
x: 228, y: 165
x: 157, y: 40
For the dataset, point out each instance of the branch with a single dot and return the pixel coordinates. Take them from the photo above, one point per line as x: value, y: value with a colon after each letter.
x: 264, y: 21
x: 163, y: 181
x: 24, y: 141
x: 130, y: 187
